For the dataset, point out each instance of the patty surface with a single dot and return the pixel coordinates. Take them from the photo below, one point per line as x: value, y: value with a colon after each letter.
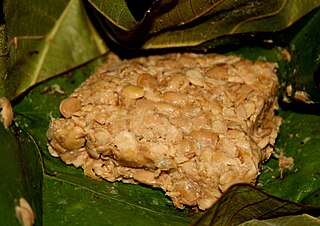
x: 190, y: 124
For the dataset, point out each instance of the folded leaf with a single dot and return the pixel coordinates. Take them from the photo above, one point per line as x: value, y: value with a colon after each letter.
x: 45, y: 40
x: 243, y: 202
x: 191, y: 22
x: 303, y: 82
x: 298, y: 220
x: 261, y: 16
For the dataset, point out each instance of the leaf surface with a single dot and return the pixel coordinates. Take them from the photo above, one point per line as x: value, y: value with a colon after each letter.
x: 263, y: 16
x: 71, y: 198
x: 305, y: 63
x: 298, y: 220
x: 68, y: 193
x: 117, y: 12
x: 185, y: 23
x: 111, y: 202
x: 21, y: 174
x: 3, y: 58
x: 299, y: 138
x: 244, y: 202
x: 45, y: 40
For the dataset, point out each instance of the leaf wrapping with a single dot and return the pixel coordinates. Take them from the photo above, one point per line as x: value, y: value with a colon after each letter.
x: 46, y: 40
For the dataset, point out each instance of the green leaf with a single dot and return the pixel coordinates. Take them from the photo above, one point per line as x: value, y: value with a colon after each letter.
x: 312, y: 198
x: 299, y: 138
x: 125, y: 204
x: 69, y: 197
x: 299, y: 220
x: 304, y: 78
x: 21, y: 174
x: 46, y: 40
x: 185, y: 23
x: 244, y: 202
x: 253, y: 17
x: 117, y: 12
x: 3, y: 58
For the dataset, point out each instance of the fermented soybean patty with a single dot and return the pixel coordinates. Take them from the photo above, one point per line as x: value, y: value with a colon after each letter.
x: 190, y: 124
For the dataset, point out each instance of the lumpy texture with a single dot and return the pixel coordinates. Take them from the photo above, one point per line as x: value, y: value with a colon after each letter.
x: 190, y: 124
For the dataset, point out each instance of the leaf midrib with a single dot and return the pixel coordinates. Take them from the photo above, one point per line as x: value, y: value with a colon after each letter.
x: 49, y: 39
x: 258, y: 17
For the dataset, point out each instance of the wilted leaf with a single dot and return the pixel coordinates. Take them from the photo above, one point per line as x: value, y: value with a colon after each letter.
x: 243, y: 202
x: 45, y: 40
x: 21, y: 174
